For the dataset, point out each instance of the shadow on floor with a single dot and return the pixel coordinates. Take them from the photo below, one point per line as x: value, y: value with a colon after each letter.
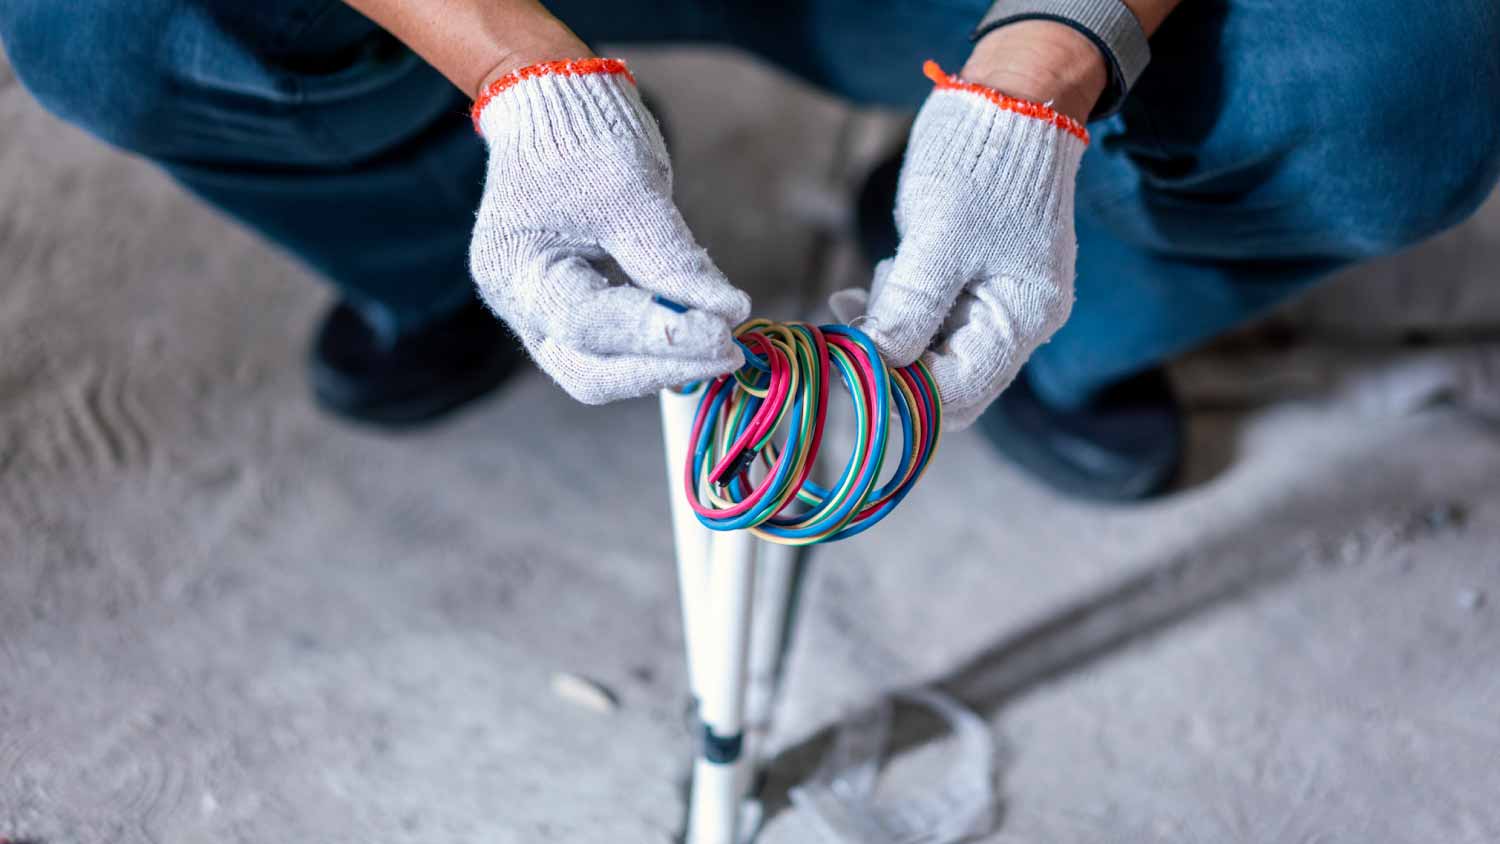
x: 1317, y: 521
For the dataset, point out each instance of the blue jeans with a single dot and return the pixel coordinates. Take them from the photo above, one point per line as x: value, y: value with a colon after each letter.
x: 1269, y: 143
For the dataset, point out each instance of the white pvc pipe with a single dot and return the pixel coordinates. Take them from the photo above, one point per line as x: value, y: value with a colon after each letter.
x: 731, y: 578
x: 719, y: 783
x: 690, y: 537
x: 732, y: 652
x: 716, y: 578
x: 713, y: 817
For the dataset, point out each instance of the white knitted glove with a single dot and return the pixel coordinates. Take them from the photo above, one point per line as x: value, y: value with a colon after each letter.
x: 984, y: 272
x: 577, y: 232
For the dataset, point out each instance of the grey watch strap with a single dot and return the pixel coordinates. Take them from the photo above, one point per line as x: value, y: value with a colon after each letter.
x: 1108, y: 23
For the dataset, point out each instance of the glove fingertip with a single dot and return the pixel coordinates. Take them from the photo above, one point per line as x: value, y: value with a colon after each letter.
x: 706, y: 290
x: 730, y: 302
x: 849, y: 304
x: 902, y: 322
x: 897, y: 344
x: 738, y: 309
x: 698, y: 333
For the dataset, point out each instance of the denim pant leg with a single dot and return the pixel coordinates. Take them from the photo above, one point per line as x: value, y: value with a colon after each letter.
x: 867, y: 51
x: 1268, y: 145
x: 300, y: 118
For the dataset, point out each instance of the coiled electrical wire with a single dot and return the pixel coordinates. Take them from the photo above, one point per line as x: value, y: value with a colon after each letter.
x: 784, y: 387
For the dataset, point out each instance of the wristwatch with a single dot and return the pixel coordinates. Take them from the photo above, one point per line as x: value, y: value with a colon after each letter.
x: 1108, y: 23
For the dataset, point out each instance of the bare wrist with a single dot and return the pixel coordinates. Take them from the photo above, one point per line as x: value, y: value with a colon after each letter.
x: 1041, y: 61
x: 552, y: 41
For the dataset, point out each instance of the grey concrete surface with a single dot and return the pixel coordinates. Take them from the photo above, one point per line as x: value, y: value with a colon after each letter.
x: 225, y: 618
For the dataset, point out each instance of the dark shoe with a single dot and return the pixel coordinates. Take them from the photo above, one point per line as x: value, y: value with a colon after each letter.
x: 416, y: 379
x: 874, y: 210
x: 1124, y: 445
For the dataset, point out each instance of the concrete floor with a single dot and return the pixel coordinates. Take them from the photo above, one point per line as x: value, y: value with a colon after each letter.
x: 226, y: 618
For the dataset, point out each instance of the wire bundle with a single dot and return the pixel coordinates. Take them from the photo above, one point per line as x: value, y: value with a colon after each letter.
x: 784, y: 385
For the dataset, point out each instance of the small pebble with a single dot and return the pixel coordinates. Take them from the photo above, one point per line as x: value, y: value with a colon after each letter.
x: 584, y: 692
x: 1445, y: 516
x: 1470, y: 599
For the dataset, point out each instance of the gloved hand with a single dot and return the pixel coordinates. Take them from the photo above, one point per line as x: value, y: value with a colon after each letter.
x: 985, y: 263
x: 577, y: 232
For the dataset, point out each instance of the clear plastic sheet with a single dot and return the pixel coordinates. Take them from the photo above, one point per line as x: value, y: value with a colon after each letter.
x: 840, y: 798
